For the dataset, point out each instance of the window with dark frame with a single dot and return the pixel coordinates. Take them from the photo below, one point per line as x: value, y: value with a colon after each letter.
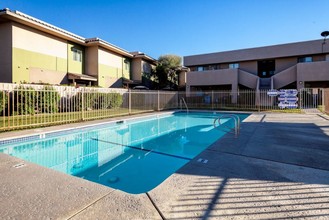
x: 77, y: 54
x: 233, y: 66
x: 305, y: 59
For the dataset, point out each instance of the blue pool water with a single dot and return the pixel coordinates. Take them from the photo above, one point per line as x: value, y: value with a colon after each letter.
x: 133, y: 156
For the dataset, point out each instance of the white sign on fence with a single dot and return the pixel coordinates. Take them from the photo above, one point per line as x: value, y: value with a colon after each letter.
x: 287, y: 97
x: 273, y: 92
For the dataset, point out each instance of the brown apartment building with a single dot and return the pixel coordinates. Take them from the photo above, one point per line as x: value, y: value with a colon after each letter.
x: 286, y: 66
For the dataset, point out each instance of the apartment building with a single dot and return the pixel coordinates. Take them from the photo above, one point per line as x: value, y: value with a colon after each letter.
x: 286, y: 66
x: 34, y: 51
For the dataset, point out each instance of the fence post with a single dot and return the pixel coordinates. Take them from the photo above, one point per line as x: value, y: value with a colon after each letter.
x: 322, y: 100
x: 158, y: 100
x: 8, y: 107
x: 129, y: 101
x: 300, y: 99
x: 82, y: 104
x: 212, y: 99
x: 257, y: 99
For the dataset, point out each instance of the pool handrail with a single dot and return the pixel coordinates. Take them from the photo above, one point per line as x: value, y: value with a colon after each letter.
x: 183, y: 100
x: 236, y: 122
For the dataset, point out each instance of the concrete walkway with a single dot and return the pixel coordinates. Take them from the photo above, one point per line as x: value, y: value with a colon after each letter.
x: 278, y: 168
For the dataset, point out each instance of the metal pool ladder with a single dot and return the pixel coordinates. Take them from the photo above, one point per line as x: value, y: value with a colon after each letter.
x: 183, y: 100
x: 236, y: 123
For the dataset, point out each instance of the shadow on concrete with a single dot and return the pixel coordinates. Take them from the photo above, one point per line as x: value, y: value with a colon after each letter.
x: 272, y: 171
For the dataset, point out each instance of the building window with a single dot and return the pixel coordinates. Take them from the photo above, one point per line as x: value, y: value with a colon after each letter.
x: 200, y: 68
x: 233, y: 66
x: 77, y: 54
x: 213, y: 67
x: 305, y: 59
x: 127, y: 64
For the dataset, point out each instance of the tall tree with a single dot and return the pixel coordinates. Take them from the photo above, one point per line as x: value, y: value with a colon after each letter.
x: 167, y: 69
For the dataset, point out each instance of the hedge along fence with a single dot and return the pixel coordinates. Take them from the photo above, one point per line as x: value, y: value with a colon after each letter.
x: 27, y: 106
x: 3, y: 100
x: 24, y: 91
x: 28, y: 101
x: 48, y: 100
x: 25, y: 100
x: 96, y: 100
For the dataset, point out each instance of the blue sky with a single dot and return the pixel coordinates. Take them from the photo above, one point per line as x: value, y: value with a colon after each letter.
x: 184, y: 27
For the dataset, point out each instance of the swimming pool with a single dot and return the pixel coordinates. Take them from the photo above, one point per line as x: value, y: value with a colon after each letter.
x: 132, y: 155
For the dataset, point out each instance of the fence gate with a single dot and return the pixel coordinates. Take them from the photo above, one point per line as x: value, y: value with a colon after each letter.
x: 311, y: 100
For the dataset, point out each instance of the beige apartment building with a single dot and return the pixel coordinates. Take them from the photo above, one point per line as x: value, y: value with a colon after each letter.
x: 33, y: 51
x: 286, y: 66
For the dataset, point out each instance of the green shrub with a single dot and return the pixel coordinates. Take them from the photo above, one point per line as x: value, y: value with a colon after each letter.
x: 115, y: 100
x: 94, y: 101
x: 75, y: 102
x: 48, y: 100
x: 24, y: 99
x: 3, y: 100
x: 106, y: 100
x: 87, y: 101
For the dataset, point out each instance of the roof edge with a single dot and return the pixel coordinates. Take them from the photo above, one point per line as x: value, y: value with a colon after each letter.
x: 108, y: 45
x: 255, y: 48
x: 144, y: 56
x: 32, y: 20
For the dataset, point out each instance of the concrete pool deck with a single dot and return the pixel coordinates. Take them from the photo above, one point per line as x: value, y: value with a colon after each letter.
x: 277, y: 168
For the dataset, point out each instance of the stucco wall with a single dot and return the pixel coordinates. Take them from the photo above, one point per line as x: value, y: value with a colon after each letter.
x: 136, y: 69
x: 247, y: 79
x: 110, y: 69
x: 27, y: 38
x: 249, y: 66
x: 6, y: 52
x: 285, y: 77
x: 213, y: 77
x: 74, y: 66
x: 91, y: 64
x: 110, y: 59
x: 24, y: 61
x: 182, y: 78
x: 107, y: 75
x: 53, y: 77
x: 320, y: 57
x: 315, y: 71
x: 34, y: 53
x: 284, y: 63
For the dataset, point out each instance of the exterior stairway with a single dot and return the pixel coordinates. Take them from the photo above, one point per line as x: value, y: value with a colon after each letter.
x: 264, y: 99
x: 264, y: 83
